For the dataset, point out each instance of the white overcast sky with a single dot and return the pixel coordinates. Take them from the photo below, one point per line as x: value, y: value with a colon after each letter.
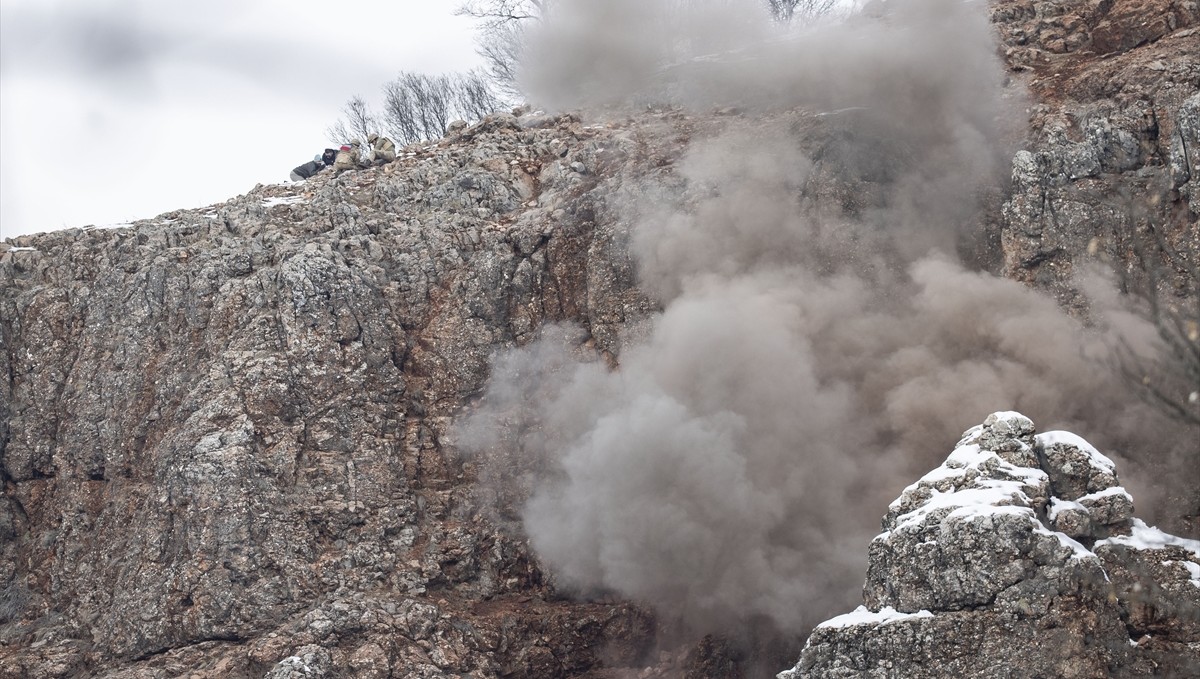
x: 115, y: 110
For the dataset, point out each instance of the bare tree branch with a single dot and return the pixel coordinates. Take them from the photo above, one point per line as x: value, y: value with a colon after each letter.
x: 473, y: 96
x: 1166, y: 280
x: 418, y: 107
x: 500, y: 46
x: 503, y: 11
x: 359, y: 122
x: 785, y: 11
x: 501, y: 37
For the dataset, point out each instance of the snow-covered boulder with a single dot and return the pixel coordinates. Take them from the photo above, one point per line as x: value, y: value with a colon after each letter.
x: 1020, y: 550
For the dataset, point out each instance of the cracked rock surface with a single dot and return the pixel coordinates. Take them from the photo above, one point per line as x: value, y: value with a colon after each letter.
x: 1114, y: 134
x: 224, y: 430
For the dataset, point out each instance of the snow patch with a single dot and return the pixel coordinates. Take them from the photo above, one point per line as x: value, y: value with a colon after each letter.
x: 977, y: 511
x: 1115, y: 490
x: 1058, y: 505
x: 1098, y: 460
x: 994, y: 497
x: 864, y: 616
x: 22, y: 249
x: 967, y: 457
x: 1192, y: 568
x: 1080, y: 552
x: 1149, y: 537
x: 283, y: 200
x: 121, y: 225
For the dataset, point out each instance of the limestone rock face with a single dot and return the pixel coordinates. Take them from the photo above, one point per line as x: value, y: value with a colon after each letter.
x: 223, y: 430
x: 1114, y: 143
x: 971, y: 577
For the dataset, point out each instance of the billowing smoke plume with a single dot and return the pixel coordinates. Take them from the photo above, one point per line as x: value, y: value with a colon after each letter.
x: 820, y: 341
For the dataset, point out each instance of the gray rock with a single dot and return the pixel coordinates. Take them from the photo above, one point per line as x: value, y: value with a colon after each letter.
x: 309, y: 662
x: 1075, y: 468
x: 967, y: 580
x: 226, y: 425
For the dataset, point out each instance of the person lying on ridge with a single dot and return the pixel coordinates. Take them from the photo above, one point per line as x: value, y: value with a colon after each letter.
x: 314, y: 166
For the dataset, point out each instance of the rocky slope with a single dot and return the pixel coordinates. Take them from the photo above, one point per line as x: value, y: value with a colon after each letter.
x: 224, y: 429
x: 227, y: 437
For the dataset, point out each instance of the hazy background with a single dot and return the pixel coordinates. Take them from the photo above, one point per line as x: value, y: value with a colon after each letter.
x: 114, y: 110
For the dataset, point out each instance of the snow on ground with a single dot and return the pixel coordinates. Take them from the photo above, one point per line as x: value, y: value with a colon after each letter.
x: 1192, y: 568
x: 864, y: 616
x: 968, y: 457
x: 283, y: 200
x: 973, y: 496
x: 1115, y: 490
x: 994, y: 497
x: 1009, y: 415
x: 1080, y: 552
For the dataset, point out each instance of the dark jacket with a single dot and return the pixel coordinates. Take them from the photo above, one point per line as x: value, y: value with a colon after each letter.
x: 309, y: 169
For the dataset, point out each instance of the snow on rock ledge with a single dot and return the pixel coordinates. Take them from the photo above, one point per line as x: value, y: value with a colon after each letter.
x: 1019, y: 550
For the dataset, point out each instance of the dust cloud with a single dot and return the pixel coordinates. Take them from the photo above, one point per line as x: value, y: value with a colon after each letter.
x: 821, y: 342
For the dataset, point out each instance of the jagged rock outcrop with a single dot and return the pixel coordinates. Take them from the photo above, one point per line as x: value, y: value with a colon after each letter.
x: 1114, y: 131
x: 972, y: 578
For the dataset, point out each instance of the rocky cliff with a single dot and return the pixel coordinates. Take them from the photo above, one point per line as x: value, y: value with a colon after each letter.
x: 224, y: 428
x: 239, y: 441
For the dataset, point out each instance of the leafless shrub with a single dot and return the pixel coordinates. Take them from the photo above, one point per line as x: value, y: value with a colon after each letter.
x: 474, y: 97
x: 1166, y: 280
x: 358, y: 122
x: 786, y: 11
x: 418, y: 106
